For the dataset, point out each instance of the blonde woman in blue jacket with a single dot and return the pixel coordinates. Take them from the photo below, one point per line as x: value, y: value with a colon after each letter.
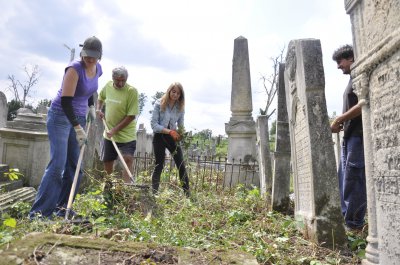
x: 167, y: 117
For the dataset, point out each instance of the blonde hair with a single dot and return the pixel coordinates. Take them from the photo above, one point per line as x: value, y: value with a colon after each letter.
x: 165, y: 98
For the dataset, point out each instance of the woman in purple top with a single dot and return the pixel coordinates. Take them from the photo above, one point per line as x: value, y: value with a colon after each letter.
x: 65, y: 126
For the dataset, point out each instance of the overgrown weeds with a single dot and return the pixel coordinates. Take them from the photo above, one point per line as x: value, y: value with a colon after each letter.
x: 237, y: 219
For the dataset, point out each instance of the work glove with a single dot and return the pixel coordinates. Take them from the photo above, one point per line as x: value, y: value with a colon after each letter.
x: 92, y: 113
x: 174, y: 135
x: 80, y: 135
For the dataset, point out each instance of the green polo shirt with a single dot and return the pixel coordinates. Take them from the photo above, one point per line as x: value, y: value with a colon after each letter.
x: 119, y: 104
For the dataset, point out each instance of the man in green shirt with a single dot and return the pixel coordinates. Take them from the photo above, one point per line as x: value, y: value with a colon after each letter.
x: 122, y: 106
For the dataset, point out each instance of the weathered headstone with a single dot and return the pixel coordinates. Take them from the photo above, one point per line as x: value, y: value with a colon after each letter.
x: 41, y: 109
x: 24, y: 145
x: 281, y: 181
x: 144, y: 141
x: 337, y: 143
x: 91, y: 158
x: 3, y: 110
x: 317, y: 203
x: 241, y: 126
x: 376, y: 79
x: 264, y: 156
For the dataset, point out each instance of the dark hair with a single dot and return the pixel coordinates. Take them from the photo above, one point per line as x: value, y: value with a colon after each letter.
x: 343, y: 52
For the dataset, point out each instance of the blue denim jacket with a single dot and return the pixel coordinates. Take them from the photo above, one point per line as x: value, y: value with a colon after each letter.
x: 161, y: 119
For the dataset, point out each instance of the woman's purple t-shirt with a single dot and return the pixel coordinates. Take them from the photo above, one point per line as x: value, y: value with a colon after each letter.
x: 84, y: 89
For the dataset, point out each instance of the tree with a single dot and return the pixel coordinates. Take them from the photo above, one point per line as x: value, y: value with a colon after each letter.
x: 23, y: 89
x: 272, y: 131
x: 204, y: 134
x: 270, y: 84
x: 13, y: 106
x: 45, y: 102
x: 142, y: 102
x: 156, y: 97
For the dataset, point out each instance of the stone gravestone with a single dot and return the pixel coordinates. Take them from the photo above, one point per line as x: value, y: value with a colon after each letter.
x: 281, y: 181
x: 337, y: 143
x: 3, y: 110
x: 241, y: 129
x: 264, y: 156
x: 41, y: 109
x: 144, y: 142
x: 92, y: 152
x: 24, y: 145
x: 376, y: 79
x: 317, y: 203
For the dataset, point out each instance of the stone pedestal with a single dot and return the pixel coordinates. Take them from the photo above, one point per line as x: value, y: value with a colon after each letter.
x: 24, y: 145
x: 241, y: 127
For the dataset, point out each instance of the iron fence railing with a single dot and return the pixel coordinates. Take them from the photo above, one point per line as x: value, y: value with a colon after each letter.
x: 205, y: 172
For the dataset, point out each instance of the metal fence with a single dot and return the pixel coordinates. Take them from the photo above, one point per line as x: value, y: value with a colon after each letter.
x: 205, y: 172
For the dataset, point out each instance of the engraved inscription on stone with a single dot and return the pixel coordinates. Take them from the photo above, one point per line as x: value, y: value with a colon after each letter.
x: 302, y: 164
x: 386, y: 127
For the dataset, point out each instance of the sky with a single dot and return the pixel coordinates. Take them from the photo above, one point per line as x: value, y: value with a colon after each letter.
x: 161, y: 42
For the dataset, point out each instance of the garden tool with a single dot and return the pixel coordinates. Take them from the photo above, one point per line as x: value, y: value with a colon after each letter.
x: 119, y: 154
x: 73, y: 187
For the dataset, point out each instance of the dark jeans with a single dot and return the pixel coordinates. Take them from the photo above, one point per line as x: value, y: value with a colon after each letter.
x: 352, y: 184
x: 160, y: 143
x: 55, y: 187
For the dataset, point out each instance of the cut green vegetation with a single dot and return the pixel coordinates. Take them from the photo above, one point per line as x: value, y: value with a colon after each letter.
x: 238, y: 219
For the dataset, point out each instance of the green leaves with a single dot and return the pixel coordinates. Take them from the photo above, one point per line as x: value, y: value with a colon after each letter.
x: 238, y: 217
x: 10, y: 222
x: 13, y: 174
x: 234, y: 219
x: 358, y: 245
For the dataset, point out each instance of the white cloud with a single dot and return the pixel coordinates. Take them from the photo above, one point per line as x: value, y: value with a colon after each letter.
x: 164, y: 41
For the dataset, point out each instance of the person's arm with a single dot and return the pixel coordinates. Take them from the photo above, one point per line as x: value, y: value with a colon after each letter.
x: 122, y: 124
x: 355, y: 111
x: 67, y: 94
x: 181, y: 120
x: 155, y: 120
x: 99, y: 107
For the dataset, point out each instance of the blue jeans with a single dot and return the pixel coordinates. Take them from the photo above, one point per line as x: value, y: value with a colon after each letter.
x: 55, y: 187
x: 352, y: 184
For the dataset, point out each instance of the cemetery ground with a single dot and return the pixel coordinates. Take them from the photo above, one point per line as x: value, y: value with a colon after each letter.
x: 128, y: 225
